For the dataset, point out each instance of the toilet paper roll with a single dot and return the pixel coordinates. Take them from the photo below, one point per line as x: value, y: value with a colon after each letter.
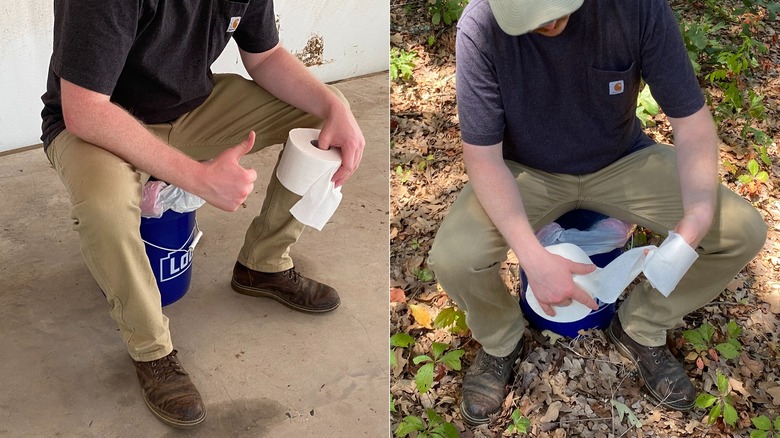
x: 664, y: 267
x: 306, y: 170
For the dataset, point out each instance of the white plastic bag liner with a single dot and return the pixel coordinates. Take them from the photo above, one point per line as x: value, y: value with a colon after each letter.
x: 602, y: 237
x: 159, y: 197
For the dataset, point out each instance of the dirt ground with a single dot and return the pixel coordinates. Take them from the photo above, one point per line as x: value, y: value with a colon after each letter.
x: 566, y: 387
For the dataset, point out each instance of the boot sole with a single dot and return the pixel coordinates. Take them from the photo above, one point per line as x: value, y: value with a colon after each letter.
x: 471, y: 420
x: 266, y: 293
x: 625, y: 352
x: 178, y: 424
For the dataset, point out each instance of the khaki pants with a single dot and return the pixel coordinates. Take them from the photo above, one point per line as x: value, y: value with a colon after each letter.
x: 641, y: 188
x: 106, y: 192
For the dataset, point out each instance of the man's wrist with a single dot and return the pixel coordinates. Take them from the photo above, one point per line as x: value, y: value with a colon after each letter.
x: 528, y: 250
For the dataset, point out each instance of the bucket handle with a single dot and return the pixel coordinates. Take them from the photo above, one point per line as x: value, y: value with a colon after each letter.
x: 191, y: 248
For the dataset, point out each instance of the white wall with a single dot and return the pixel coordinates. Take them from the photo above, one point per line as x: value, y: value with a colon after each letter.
x: 355, y: 36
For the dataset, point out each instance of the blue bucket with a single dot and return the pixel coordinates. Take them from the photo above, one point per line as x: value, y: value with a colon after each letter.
x: 600, y: 318
x: 170, y: 242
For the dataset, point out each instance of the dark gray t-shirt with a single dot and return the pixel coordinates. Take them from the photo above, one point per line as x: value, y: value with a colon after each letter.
x: 567, y: 104
x: 152, y: 57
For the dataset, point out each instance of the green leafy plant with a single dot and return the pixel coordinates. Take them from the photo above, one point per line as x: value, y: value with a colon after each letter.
x: 519, y: 424
x: 435, y: 428
x: 730, y: 55
x: 451, y: 318
x: 424, y: 377
x: 424, y: 162
x: 423, y: 274
x: 696, y: 35
x: 765, y: 427
x: 646, y: 107
x: 403, y: 174
x: 754, y: 174
x: 447, y: 11
x: 732, y: 68
x: 402, y: 64
x: 702, y: 340
x: 399, y: 340
x: 762, y: 141
x: 720, y: 405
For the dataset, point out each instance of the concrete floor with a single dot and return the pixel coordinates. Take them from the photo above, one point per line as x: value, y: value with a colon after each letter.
x: 263, y: 370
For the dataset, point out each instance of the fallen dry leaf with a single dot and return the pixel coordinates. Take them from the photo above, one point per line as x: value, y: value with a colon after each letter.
x: 422, y: 315
x: 397, y: 295
x: 773, y: 299
x: 552, y: 412
x: 775, y: 393
x: 735, y: 284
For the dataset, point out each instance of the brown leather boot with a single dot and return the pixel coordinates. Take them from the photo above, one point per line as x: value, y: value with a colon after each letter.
x: 288, y: 287
x: 485, y: 385
x: 169, y: 392
x: 664, y: 377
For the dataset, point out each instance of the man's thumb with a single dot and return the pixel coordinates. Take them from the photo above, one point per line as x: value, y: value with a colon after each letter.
x: 323, y: 141
x: 245, y: 146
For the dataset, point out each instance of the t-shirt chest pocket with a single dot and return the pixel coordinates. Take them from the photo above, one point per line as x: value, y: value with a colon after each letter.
x: 613, y: 93
x: 225, y: 19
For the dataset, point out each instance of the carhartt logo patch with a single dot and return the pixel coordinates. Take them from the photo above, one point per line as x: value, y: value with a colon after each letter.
x: 233, y: 24
x: 616, y: 87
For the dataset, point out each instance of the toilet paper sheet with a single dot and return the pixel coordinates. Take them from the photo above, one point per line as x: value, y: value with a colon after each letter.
x: 663, y: 267
x: 306, y: 170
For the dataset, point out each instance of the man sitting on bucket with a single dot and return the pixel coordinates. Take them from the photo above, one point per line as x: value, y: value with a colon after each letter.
x: 130, y: 94
x: 547, y: 94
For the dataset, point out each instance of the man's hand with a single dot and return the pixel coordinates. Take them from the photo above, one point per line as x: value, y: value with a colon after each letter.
x: 341, y: 131
x: 284, y: 76
x: 227, y: 183
x: 550, y: 278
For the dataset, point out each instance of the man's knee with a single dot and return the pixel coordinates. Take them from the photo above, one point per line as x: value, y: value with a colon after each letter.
x: 107, y: 210
x: 451, y: 256
x: 743, y: 226
x: 754, y: 229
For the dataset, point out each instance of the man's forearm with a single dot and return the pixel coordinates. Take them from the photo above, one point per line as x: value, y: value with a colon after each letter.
x: 284, y: 76
x: 104, y: 124
x: 500, y: 197
x: 696, y: 142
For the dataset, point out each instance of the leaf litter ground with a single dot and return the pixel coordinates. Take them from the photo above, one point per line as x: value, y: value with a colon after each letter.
x: 566, y: 387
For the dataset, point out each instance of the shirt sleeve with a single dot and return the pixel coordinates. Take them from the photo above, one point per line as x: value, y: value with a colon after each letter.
x: 480, y: 109
x: 665, y: 64
x: 92, y: 39
x: 257, y: 32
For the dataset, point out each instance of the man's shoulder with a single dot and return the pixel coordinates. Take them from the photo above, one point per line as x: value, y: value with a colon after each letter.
x: 476, y: 14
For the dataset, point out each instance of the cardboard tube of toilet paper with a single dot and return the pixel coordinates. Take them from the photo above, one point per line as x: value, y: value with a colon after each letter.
x: 306, y: 170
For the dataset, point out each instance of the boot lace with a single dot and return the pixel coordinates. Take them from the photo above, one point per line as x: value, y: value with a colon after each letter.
x: 661, y: 354
x: 492, y: 364
x: 293, y: 275
x: 167, y: 366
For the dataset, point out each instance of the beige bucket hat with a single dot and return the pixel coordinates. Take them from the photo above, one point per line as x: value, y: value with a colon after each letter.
x: 517, y: 17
